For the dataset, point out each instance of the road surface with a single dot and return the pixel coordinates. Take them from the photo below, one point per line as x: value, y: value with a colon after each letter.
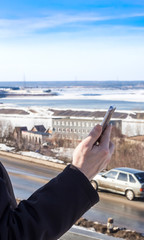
x: 27, y: 177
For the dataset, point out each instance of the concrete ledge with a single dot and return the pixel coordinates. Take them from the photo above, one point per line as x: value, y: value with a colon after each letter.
x: 31, y: 159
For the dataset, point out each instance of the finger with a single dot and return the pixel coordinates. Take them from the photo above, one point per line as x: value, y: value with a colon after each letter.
x: 93, y: 136
x: 105, y: 139
x: 111, y: 148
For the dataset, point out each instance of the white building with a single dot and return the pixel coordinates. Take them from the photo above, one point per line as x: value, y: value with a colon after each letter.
x: 132, y: 127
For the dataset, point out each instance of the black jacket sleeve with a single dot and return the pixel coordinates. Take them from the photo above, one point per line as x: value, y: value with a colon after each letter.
x: 50, y: 211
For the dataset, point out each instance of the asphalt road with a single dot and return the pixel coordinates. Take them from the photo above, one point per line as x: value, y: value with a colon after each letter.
x: 129, y: 214
x: 27, y: 177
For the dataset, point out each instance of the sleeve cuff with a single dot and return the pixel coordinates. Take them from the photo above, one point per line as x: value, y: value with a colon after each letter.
x: 81, y: 179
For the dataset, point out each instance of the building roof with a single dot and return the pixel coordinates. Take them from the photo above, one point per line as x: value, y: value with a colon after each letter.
x: 95, y: 114
x: 13, y: 111
x: 39, y: 128
x: 18, y: 129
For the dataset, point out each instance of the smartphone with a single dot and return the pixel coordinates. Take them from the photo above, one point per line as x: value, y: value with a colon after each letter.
x: 106, y: 120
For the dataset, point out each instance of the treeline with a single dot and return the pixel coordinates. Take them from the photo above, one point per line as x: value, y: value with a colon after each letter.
x: 128, y: 152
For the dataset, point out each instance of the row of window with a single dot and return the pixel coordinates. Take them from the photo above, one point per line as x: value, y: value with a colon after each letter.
x: 74, y: 123
x: 71, y: 130
x: 33, y: 139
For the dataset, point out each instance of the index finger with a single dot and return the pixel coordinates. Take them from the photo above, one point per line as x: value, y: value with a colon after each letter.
x: 93, y: 136
x: 105, y: 139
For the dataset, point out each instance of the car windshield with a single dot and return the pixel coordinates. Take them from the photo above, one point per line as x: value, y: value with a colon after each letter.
x: 140, y: 177
x: 111, y: 174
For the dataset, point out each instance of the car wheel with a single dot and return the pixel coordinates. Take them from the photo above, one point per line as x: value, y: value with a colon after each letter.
x: 94, y: 184
x: 130, y: 195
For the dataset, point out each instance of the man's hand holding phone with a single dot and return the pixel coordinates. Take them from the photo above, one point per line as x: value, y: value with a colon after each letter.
x: 91, y: 158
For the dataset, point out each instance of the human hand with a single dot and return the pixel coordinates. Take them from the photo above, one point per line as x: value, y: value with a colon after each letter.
x: 90, y: 158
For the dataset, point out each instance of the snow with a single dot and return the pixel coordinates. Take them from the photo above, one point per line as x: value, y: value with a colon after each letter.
x: 131, y: 95
x: 40, y: 156
x: 4, y: 147
x: 65, y: 152
x: 36, y: 116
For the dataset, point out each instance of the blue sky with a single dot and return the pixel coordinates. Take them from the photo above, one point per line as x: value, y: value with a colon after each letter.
x: 71, y: 40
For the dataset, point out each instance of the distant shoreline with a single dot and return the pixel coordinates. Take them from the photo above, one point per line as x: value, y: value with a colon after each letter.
x: 27, y: 95
x: 134, y: 84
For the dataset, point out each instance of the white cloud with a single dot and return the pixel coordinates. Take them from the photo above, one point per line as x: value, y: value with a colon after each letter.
x: 28, y: 26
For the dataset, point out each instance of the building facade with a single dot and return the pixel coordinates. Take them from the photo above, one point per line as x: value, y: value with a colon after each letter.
x: 17, y: 133
x: 79, y: 128
x: 37, y: 138
x: 73, y: 128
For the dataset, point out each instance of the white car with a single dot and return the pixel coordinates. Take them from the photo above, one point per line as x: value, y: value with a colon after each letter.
x: 126, y: 181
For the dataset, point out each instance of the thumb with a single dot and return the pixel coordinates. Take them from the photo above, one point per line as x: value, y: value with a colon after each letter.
x: 93, y: 135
